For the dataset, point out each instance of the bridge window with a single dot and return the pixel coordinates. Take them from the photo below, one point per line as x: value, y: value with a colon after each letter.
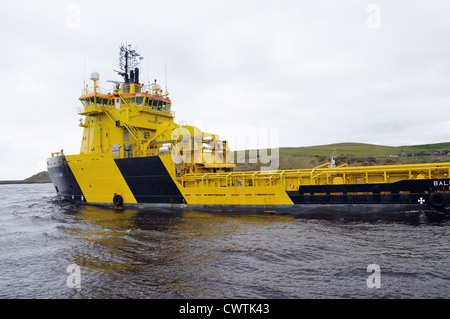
x: 166, y: 106
x: 148, y: 102
x: 102, y: 101
x: 96, y: 100
x: 157, y: 105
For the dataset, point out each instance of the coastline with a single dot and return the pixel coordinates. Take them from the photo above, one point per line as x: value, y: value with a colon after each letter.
x: 39, y: 178
x: 23, y: 182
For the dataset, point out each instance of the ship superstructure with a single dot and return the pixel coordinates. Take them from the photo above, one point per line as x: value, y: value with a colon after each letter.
x: 134, y: 154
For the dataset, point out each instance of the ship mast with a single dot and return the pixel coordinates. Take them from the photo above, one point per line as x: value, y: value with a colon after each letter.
x: 129, y: 62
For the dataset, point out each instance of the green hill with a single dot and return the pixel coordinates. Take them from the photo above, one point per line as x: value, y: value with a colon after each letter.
x: 361, y: 149
x: 42, y: 177
x: 354, y: 154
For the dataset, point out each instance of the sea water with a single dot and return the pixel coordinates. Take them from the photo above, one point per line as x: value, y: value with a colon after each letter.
x: 50, y: 248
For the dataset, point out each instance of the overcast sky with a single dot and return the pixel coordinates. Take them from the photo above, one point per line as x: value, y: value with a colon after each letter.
x: 307, y: 72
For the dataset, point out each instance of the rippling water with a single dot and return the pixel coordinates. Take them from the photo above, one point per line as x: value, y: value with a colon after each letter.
x: 157, y: 254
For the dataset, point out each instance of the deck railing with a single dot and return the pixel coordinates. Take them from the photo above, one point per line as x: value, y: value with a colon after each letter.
x: 322, y: 175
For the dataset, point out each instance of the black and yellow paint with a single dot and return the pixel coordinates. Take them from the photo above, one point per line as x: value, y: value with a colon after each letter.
x: 152, y: 181
x: 97, y: 179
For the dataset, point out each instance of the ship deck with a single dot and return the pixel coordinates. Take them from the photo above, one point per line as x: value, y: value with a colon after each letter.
x: 322, y: 175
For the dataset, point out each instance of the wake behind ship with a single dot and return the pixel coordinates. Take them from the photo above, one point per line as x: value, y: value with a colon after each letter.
x: 133, y: 154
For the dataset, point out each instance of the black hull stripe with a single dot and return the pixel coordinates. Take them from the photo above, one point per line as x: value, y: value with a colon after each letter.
x: 407, y: 192
x: 63, y: 179
x: 149, y: 180
x: 387, y: 199
x: 412, y: 186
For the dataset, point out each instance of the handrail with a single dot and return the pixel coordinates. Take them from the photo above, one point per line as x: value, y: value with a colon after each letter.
x: 89, y: 90
x: 292, y: 179
x: 134, y: 130
x: 110, y: 115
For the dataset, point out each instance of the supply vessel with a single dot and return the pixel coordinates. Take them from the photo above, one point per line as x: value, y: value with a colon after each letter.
x: 133, y: 154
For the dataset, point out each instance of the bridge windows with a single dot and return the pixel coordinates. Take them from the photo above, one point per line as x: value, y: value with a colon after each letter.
x: 148, y: 102
x: 90, y: 100
x: 167, y: 106
x: 102, y: 101
x: 152, y: 103
x: 157, y: 105
x: 96, y: 100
